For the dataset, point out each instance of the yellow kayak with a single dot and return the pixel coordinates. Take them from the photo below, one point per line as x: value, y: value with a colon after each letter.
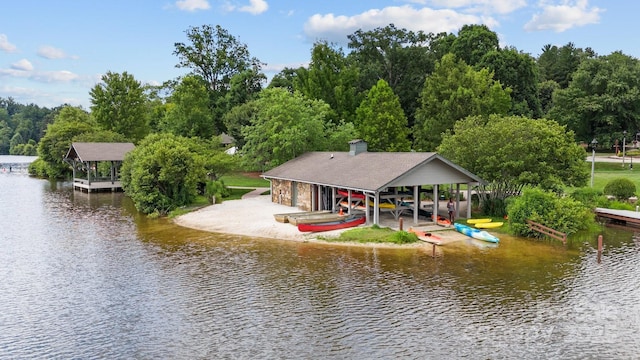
x: 489, y: 225
x: 478, y: 221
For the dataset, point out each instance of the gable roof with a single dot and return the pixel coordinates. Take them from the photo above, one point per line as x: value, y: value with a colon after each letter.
x: 372, y: 171
x: 98, y: 151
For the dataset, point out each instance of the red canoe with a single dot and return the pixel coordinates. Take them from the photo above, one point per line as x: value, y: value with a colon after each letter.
x: 354, y: 195
x: 332, y: 225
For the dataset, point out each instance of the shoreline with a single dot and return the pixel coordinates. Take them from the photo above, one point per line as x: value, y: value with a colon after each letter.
x: 252, y: 216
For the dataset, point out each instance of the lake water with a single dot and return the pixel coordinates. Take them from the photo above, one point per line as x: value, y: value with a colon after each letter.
x: 84, y: 276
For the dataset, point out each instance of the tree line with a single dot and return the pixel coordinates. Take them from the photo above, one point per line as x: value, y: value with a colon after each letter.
x: 398, y: 90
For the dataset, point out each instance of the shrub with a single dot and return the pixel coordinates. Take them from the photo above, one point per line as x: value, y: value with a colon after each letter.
x: 217, y: 189
x: 621, y: 188
x: 590, y: 197
x: 563, y: 214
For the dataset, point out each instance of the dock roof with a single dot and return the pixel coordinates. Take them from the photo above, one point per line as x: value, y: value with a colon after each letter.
x: 98, y: 151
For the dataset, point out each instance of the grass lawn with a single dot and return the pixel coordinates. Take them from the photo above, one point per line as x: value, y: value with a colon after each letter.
x: 605, y: 172
x: 245, y: 180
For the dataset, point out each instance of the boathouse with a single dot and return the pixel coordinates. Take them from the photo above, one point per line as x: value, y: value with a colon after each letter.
x: 96, y: 165
x: 372, y: 182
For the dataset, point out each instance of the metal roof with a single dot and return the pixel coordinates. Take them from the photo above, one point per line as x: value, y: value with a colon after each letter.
x: 97, y: 151
x: 372, y: 171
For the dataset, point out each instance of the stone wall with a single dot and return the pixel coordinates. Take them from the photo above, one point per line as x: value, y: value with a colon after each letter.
x: 304, y: 196
x: 282, y: 193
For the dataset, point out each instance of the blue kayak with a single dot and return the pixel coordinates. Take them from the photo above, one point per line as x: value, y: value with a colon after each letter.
x: 475, y: 233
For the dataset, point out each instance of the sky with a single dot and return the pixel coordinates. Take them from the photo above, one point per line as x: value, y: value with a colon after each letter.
x: 53, y: 52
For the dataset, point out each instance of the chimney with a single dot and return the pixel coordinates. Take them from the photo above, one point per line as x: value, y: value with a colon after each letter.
x: 357, y: 146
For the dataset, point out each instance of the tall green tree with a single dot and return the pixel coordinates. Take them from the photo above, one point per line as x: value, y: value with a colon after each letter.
x: 452, y: 92
x: 381, y: 122
x: 602, y: 100
x: 511, y: 153
x: 285, y: 126
x: 217, y: 56
x: 398, y: 56
x: 119, y: 104
x: 70, y: 123
x: 330, y: 78
x: 237, y: 118
x: 189, y: 114
x: 519, y: 72
x: 559, y: 63
x: 473, y: 43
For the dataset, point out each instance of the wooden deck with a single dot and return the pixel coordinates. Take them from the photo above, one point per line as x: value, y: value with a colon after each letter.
x: 84, y: 185
x: 626, y: 217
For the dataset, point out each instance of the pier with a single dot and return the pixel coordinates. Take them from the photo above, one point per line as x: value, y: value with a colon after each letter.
x: 626, y: 217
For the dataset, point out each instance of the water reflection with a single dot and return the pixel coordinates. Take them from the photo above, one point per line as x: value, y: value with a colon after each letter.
x: 88, y: 277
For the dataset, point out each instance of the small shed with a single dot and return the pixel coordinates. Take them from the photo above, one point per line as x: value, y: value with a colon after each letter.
x: 373, y: 182
x: 96, y: 165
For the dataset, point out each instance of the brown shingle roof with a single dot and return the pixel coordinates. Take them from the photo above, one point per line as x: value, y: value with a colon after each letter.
x: 368, y: 171
x: 99, y: 151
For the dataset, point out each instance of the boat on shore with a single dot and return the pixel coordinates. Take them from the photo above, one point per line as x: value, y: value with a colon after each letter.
x: 315, y: 218
x: 489, y: 225
x: 475, y: 233
x: 284, y: 217
x: 478, y: 221
x: 427, y: 237
x: 346, y: 222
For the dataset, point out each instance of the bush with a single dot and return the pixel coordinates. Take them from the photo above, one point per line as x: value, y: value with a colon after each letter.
x: 590, y: 197
x: 563, y: 214
x: 38, y: 168
x: 217, y: 189
x: 621, y: 188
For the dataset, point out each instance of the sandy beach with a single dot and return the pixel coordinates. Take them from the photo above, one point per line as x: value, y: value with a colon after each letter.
x: 251, y: 216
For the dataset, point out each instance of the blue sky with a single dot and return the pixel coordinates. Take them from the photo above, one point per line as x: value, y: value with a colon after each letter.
x: 54, y: 51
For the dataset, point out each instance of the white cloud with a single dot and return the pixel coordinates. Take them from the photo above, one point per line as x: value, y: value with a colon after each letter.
x: 336, y: 28
x: 49, y: 52
x: 482, y: 6
x: 563, y: 17
x: 5, y: 45
x: 22, y: 65
x: 256, y: 7
x: 193, y: 5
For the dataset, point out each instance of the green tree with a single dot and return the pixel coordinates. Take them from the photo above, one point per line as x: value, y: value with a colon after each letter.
x: 559, y: 63
x: 217, y: 56
x: 285, y: 126
x: 545, y: 94
x: 473, y: 43
x: 519, y: 72
x: 381, y: 122
x: 285, y: 78
x: 119, y: 104
x: 162, y: 173
x: 452, y: 92
x: 237, y: 118
x: 331, y: 79
x: 54, y: 145
x: 398, y: 56
x: 510, y: 153
x: 602, y: 99
x: 189, y: 113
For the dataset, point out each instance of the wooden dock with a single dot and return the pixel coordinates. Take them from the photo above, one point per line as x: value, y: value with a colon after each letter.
x: 625, y: 217
x: 95, y: 186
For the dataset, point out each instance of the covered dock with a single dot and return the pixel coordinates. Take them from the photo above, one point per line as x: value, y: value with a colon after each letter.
x: 96, y: 166
x: 374, y: 183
